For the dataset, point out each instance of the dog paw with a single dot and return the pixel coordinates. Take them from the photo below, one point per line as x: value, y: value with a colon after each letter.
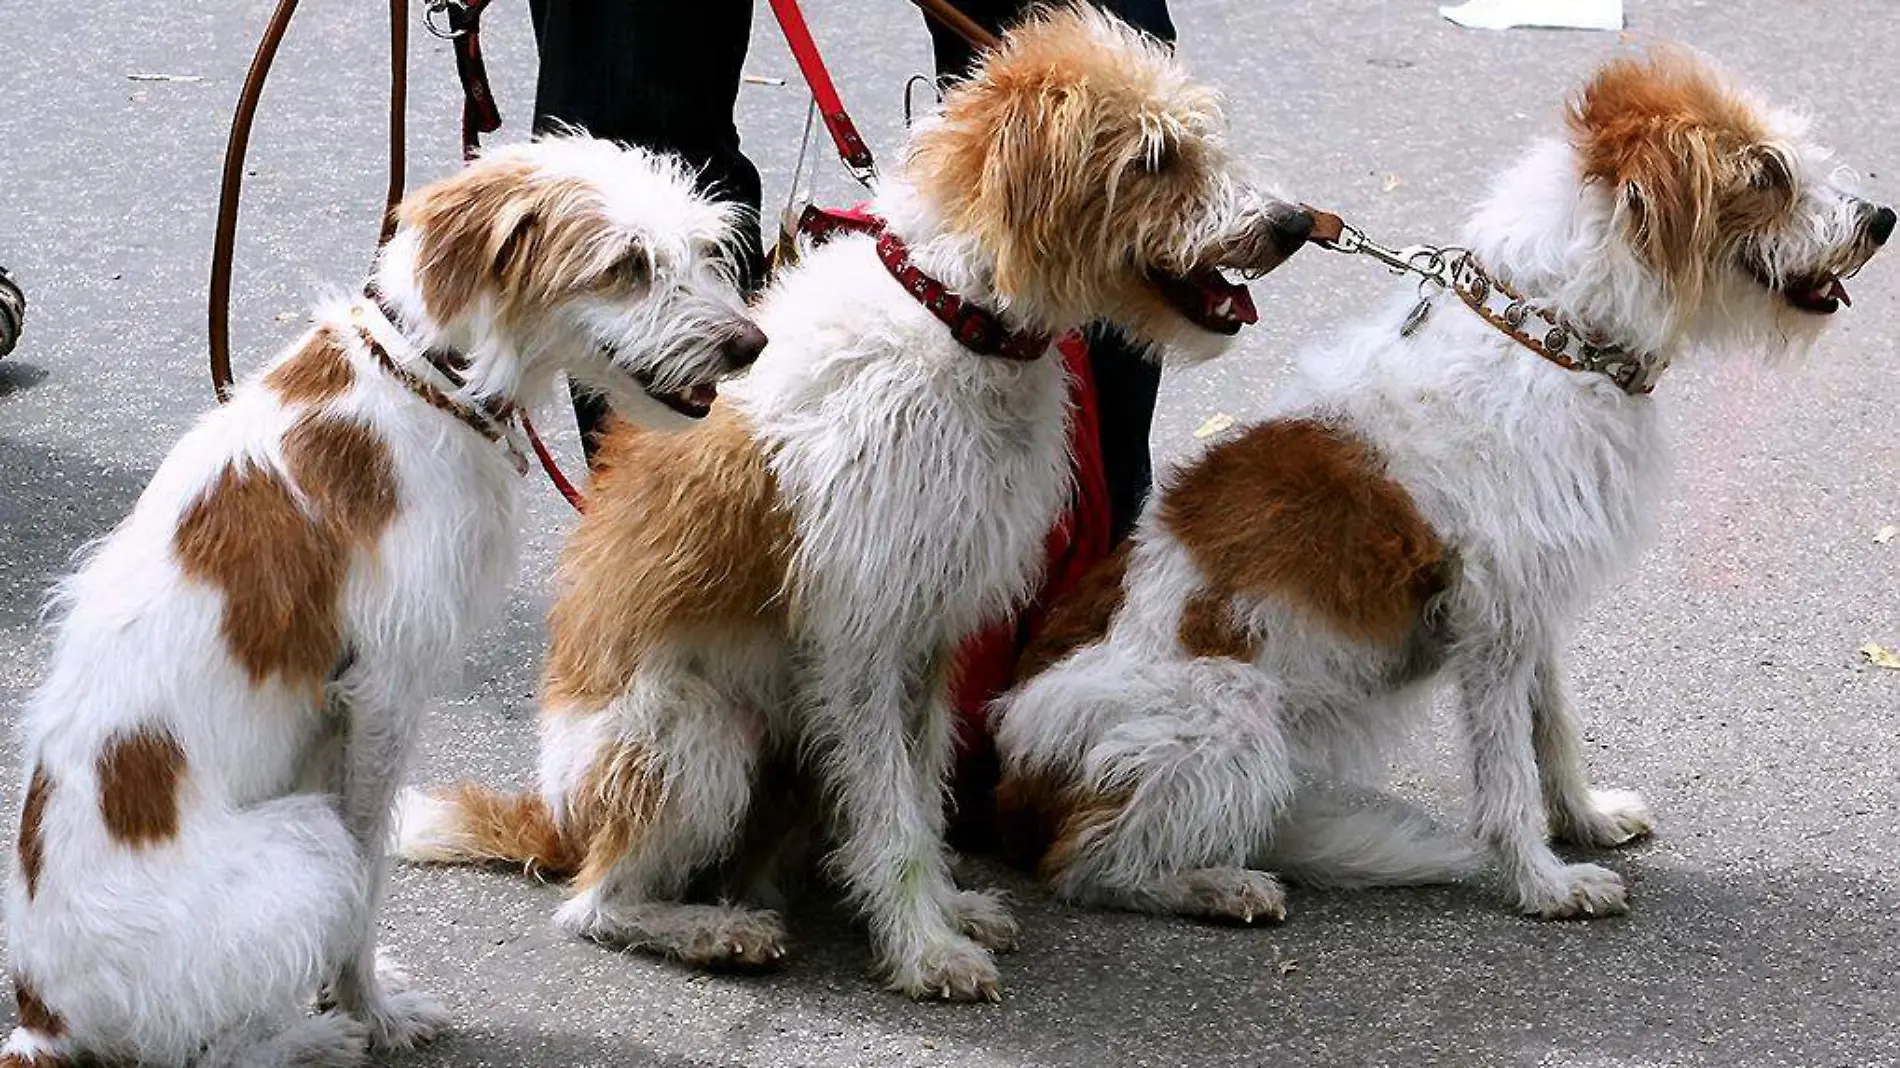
x: 722, y: 936
x: 1613, y: 818
x: 981, y: 915
x: 1229, y: 895
x: 326, y: 1040
x: 1575, y: 892
x: 404, y: 1019
x: 955, y: 970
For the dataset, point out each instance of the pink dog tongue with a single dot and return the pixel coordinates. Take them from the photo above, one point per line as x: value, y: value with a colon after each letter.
x: 1839, y: 292
x: 1243, y: 310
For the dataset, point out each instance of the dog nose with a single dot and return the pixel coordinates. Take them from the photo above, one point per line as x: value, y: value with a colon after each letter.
x: 1291, y: 228
x: 744, y: 347
x: 1880, y: 227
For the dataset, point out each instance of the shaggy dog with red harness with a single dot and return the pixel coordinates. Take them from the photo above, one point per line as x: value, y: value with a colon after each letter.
x: 242, y: 665
x: 1435, y: 501
x: 794, y: 577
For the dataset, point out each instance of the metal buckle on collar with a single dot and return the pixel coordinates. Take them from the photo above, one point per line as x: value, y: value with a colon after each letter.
x: 976, y: 331
x: 1643, y: 375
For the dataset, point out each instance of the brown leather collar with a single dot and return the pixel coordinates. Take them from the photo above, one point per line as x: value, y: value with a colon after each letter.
x: 1550, y: 335
x: 491, y: 420
x: 1543, y: 332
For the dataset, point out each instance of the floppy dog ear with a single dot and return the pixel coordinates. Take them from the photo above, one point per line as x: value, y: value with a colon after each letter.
x: 469, y: 228
x: 1029, y: 179
x: 1002, y: 161
x: 500, y: 229
x: 1682, y: 152
x: 1671, y: 208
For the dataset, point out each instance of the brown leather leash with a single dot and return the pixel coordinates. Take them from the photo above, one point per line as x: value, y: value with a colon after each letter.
x: 237, y: 146
x: 480, y: 115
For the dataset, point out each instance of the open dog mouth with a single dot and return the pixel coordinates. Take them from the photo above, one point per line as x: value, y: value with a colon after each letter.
x: 1819, y: 293
x: 693, y: 402
x: 1209, y: 300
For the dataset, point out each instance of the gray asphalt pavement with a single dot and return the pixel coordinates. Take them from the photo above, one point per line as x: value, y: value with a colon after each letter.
x: 1723, y: 680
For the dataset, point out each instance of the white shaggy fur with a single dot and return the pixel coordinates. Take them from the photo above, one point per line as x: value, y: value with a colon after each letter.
x: 208, y: 947
x: 1541, y: 483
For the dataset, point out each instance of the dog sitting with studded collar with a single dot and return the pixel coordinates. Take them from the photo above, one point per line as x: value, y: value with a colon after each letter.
x: 1436, y: 499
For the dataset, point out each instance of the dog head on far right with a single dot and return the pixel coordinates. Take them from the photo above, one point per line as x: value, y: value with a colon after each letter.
x: 578, y: 255
x: 1738, y: 227
x: 1090, y: 178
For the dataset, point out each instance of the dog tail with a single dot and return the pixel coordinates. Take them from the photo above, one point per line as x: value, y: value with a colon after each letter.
x: 1337, y: 836
x: 475, y: 825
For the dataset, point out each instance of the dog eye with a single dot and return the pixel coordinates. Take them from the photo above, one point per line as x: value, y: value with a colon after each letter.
x: 632, y: 270
x: 1161, y: 157
x: 1770, y: 172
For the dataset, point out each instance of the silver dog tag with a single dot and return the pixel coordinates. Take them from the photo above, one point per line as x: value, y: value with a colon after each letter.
x: 1416, y: 317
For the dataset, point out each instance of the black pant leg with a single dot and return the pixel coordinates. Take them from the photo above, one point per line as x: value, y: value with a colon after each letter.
x: 954, y: 56
x: 661, y: 74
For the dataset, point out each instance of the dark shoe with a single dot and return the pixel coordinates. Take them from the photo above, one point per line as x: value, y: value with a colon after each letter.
x: 12, y: 313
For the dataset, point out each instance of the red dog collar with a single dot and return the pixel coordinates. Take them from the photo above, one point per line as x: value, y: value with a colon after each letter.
x: 976, y: 328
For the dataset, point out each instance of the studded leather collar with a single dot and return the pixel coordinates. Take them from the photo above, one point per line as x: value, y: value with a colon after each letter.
x: 1549, y: 335
x: 976, y: 328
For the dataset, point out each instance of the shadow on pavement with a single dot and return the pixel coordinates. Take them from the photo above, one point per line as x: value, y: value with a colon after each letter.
x: 1706, y: 966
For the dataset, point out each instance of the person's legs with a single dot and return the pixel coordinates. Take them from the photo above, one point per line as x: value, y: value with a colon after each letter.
x: 1126, y: 381
x: 661, y: 74
x: 954, y: 56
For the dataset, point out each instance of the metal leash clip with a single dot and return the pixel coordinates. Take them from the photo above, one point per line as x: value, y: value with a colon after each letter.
x: 1436, y: 267
x: 1427, y: 261
x: 446, y: 11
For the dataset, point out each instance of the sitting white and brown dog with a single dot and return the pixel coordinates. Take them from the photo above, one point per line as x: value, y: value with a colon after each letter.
x: 1434, y: 502
x: 241, y: 665
x: 795, y: 577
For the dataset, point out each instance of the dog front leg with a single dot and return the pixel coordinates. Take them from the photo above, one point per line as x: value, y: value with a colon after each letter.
x: 1579, y: 814
x: 1499, y: 683
x: 881, y: 727
x: 379, y: 733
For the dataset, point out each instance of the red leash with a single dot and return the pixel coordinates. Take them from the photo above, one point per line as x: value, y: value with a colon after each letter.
x: 844, y: 134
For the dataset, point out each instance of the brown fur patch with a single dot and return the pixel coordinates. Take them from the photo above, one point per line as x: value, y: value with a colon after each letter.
x: 685, y: 532
x: 32, y: 818
x: 36, y: 1015
x: 1305, y: 512
x: 280, y: 566
x: 278, y: 569
x: 503, y: 228
x: 139, y: 777
x: 507, y: 828
x: 1208, y: 629
x: 1044, y: 822
x: 617, y: 800
x: 346, y: 471
x: 1080, y: 814
x: 1081, y: 618
x: 319, y: 372
x: 1692, y: 158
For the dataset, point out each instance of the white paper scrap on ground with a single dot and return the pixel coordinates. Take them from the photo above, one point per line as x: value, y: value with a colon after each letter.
x: 1553, y: 14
